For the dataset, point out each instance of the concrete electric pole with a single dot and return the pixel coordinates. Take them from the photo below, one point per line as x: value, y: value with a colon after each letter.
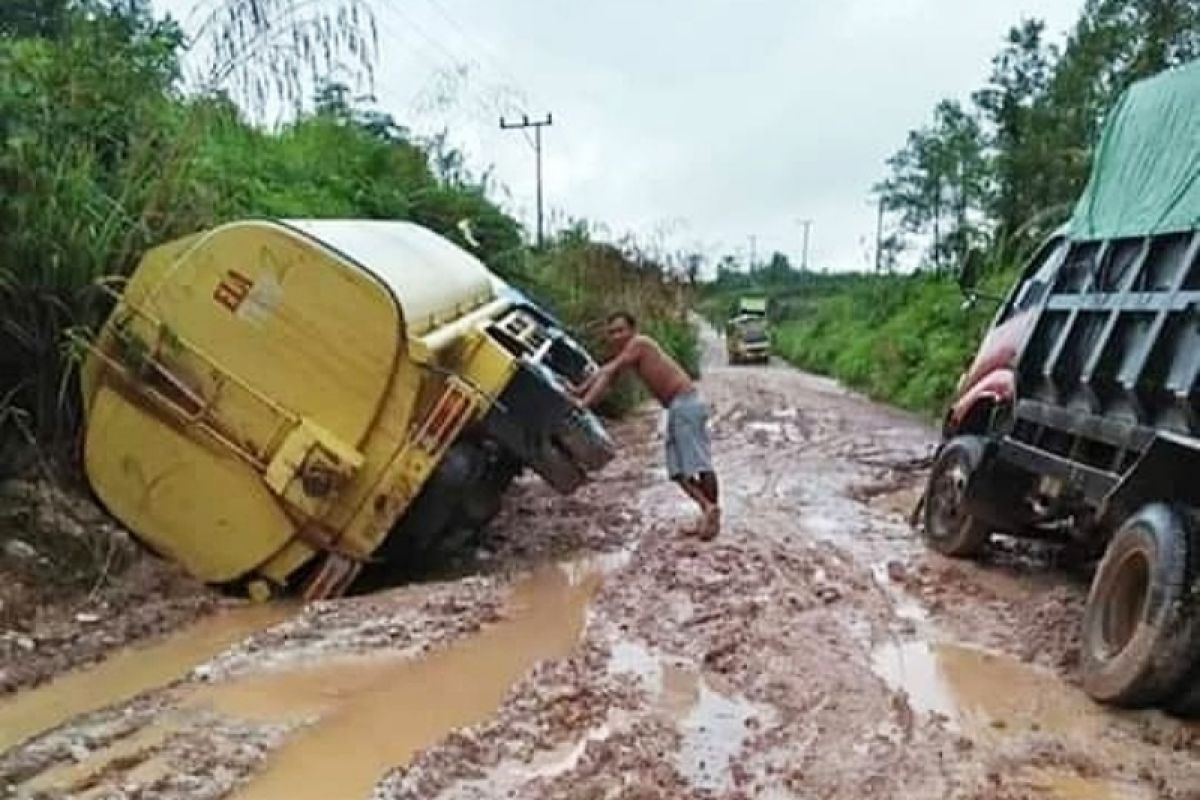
x: 807, y: 225
x: 537, y: 126
x: 879, y: 237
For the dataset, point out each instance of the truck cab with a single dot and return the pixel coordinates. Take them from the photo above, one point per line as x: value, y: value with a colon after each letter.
x: 747, y: 335
x: 988, y: 385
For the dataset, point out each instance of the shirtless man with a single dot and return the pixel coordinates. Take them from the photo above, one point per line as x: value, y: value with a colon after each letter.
x: 689, y: 460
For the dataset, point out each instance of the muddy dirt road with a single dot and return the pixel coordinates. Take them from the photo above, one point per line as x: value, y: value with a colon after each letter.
x: 591, y: 651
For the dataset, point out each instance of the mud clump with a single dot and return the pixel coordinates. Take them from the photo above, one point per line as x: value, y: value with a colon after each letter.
x: 409, y: 620
x: 74, y: 585
x: 556, y: 704
x: 1051, y: 628
x: 1000, y: 607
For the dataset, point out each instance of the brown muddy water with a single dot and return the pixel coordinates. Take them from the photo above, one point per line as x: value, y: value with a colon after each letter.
x: 357, y: 715
x: 373, y: 713
x: 131, y: 672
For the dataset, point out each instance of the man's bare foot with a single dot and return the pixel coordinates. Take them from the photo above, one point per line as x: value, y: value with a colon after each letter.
x: 712, y: 524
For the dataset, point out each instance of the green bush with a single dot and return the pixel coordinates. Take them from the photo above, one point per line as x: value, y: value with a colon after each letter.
x: 902, y: 339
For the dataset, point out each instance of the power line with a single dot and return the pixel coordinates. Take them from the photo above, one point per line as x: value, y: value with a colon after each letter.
x: 482, y: 47
x: 519, y: 95
x: 454, y: 61
x: 512, y: 97
x: 537, y: 126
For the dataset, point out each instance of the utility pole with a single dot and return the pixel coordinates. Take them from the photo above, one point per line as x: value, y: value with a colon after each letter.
x: 879, y: 237
x: 537, y: 126
x: 807, y: 225
x: 753, y: 251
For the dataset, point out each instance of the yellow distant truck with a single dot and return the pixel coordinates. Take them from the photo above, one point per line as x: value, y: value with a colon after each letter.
x: 747, y: 338
x: 276, y: 405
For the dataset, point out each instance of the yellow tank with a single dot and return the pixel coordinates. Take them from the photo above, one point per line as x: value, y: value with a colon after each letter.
x: 269, y: 400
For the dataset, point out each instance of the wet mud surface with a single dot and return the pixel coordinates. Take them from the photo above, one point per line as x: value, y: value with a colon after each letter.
x: 589, y: 650
x: 74, y: 586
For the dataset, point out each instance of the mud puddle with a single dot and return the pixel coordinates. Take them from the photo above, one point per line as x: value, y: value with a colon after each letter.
x: 131, y: 672
x: 989, y: 694
x: 713, y: 724
x: 364, y: 715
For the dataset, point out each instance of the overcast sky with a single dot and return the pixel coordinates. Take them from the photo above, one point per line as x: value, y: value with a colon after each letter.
x: 695, y: 124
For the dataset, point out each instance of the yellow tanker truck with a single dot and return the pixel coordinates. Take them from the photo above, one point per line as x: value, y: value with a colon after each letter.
x: 276, y: 405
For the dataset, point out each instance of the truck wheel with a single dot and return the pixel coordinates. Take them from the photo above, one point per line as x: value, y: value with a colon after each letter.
x: 1186, y: 704
x: 949, y: 527
x: 1140, y: 629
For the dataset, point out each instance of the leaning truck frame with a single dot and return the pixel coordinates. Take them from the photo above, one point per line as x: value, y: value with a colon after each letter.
x: 359, y: 384
x: 1079, y: 419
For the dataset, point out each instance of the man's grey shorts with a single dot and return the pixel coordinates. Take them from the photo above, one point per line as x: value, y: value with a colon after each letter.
x: 688, y: 450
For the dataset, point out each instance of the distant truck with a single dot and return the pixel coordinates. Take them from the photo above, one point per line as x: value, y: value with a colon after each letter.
x: 277, y: 405
x: 1079, y: 420
x: 747, y: 337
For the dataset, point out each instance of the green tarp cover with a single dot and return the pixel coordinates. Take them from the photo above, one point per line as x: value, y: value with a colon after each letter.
x: 1146, y: 173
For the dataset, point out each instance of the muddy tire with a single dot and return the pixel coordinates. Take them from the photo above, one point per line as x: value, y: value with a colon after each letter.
x: 949, y: 528
x: 1186, y: 703
x: 1186, y: 700
x: 1141, y: 632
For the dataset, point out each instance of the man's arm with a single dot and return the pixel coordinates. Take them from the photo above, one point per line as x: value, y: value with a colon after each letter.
x: 595, y: 386
x: 599, y: 381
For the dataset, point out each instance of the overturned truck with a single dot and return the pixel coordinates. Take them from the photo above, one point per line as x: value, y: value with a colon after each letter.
x: 1079, y: 419
x: 279, y: 405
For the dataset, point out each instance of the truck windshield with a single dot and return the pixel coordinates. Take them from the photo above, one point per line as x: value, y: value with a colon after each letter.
x: 754, y: 330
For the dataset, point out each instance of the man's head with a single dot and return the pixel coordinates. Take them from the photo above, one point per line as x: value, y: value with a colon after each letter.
x: 621, y: 327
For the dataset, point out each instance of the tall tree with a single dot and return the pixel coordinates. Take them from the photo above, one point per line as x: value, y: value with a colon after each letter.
x: 1021, y: 145
x: 33, y: 18
x: 940, y: 182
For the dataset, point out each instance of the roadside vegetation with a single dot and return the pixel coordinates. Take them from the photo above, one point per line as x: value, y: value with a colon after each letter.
x: 994, y: 173
x: 109, y: 145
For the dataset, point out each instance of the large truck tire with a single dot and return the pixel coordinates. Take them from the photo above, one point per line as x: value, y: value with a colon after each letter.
x: 1141, y: 632
x: 1186, y: 702
x: 949, y: 527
